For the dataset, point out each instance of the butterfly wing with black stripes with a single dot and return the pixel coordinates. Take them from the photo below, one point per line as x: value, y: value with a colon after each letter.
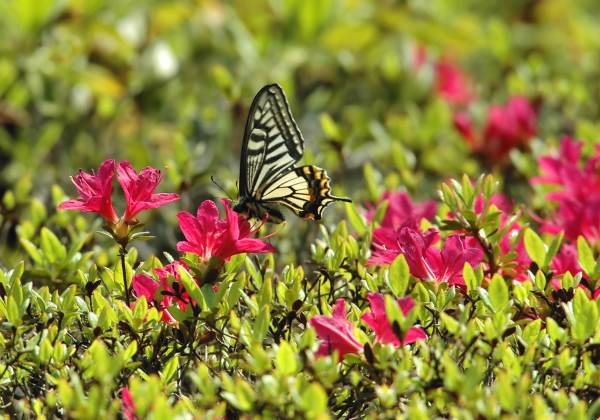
x: 272, y: 145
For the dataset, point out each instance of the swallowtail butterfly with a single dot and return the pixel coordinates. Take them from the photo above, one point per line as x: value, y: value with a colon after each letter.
x: 268, y: 173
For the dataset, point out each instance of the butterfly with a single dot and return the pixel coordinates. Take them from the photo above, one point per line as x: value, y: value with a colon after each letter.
x: 268, y: 173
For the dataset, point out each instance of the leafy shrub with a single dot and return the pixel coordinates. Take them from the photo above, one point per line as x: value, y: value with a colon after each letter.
x: 434, y: 294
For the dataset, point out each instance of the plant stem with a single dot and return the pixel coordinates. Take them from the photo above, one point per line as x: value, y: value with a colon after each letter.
x: 122, y: 253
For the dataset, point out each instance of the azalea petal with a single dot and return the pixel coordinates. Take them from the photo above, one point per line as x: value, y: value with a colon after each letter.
x: 161, y: 199
x: 144, y: 285
x: 406, y: 304
x: 335, y: 332
x: 414, y: 334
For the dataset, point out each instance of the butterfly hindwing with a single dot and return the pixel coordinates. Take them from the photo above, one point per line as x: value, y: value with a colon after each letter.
x: 272, y: 140
x: 305, y: 190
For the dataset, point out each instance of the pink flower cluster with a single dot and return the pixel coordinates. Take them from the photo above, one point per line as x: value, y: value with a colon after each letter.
x: 506, y: 127
x: 576, y: 191
x: 95, y: 191
x: 161, y: 294
x: 399, y: 233
x: 336, y: 332
x: 206, y: 234
x: 209, y: 236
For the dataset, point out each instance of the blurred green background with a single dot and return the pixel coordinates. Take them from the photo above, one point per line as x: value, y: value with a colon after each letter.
x: 169, y: 83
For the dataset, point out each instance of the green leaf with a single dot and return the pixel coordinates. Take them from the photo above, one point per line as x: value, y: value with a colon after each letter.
x: 356, y: 220
x: 192, y: 288
x: 498, y: 293
x: 32, y: 250
x: 553, y: 248
x: 399, y: 275
x: 471, y: 280
x: 253, y: 271
x: 330, y: 128
x: 532, y: 331
x: 169, y: 370
x: 540, y: 280
x: 535, y: 247
x: 585, y: 256
x: 261, y: 324
x: 285, y: 359
x: 373, y: 179
x: 314, y: 401
x: 585, y: 314
x: 53, y: 249
x: 265, y: 295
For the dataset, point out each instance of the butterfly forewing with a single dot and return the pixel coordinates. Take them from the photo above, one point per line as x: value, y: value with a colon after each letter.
x: 272, y: 140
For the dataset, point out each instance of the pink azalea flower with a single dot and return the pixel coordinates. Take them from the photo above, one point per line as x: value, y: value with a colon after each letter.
x: 209, y: 236
x: 507, y: 127
x: 335, y: 332
x: 378, y: 321
x: 521, y: 261
x: 401, y: 210
x: 144, y: 285
x: 447, y: 264
x: 139, y: 189
x: 95, y: 192
x: 127, y: 404
x: 410, y: 242
x: 452, y: 83
x: 424, y: 260
x: 577, y: 192
x: 566, y: 260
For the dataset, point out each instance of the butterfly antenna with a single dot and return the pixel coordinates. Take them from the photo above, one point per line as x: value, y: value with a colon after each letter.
x: 259, y: 225
x: 212, y: 178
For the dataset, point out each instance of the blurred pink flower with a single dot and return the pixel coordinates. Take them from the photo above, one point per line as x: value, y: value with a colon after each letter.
x: 566, y: 260
x: 507, y: 126
x: 426, y: 261
x: 139, y: 189
x: 95, y: 192
x: 577, y: 192
x: 209, y: 236
x: 401, y: 210
x: 335, y: 332
x: 521, y: 261
x: 378, y: 321
x: 451, y: 82
x: 127, y: 404
x: 160, y: 294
